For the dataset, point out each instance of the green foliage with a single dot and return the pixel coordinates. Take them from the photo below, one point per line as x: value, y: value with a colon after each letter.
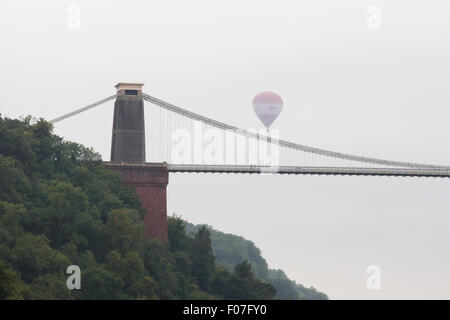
x: 176, y: 231
x: 203, y: 258
x: 211, y: 281
x: 11, y: 285
x: 231, y: 251
x: 244, y: 285
x: 59, y: 206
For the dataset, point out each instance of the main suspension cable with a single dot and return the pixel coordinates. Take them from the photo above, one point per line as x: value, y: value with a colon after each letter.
x: 73, y: 113
x: 287, y: 144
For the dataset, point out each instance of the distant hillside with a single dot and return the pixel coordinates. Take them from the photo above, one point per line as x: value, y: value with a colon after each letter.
x: 230, y: 250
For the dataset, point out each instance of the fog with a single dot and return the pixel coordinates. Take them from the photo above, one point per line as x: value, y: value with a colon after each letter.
x: 362, y: 77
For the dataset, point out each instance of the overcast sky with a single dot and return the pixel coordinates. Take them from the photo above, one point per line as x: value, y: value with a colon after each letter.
x: 347, y: 85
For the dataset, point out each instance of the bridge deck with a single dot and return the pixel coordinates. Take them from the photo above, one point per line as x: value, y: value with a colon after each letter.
x: 400, y: 172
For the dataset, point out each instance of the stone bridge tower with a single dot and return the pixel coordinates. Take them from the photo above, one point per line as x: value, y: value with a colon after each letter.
x: 128, y: 157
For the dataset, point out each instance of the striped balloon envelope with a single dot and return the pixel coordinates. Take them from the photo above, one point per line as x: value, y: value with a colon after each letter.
x: 267, y: 106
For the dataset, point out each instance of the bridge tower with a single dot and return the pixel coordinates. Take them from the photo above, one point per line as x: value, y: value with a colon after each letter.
x: 128, y: 157
x: 128, y: 136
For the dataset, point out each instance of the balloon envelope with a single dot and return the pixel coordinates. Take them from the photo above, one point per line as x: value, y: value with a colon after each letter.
x: 267, y: 106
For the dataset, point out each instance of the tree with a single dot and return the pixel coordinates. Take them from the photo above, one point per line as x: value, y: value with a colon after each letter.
x: 6, y: 282
x: 11, y: 285
x: 220, y: 282
x: 176, y: 231
x: 98, y: 283
x: 50, y: 286
x: 33, y: 256
x: 244, y: 285
x: 129, y: 269
x: 124, y: 229
x: 202, y: 258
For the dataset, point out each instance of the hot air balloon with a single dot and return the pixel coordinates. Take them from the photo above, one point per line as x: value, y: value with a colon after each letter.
x: 267, y: 106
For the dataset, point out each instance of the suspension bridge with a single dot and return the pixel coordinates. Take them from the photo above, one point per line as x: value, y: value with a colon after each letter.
x: 287, y: 151
x: 183, y: 141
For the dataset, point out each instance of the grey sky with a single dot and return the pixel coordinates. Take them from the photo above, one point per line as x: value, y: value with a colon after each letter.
x: 381, y: 93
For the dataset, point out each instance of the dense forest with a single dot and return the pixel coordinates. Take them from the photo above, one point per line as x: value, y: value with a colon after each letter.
x: 59, y: 206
